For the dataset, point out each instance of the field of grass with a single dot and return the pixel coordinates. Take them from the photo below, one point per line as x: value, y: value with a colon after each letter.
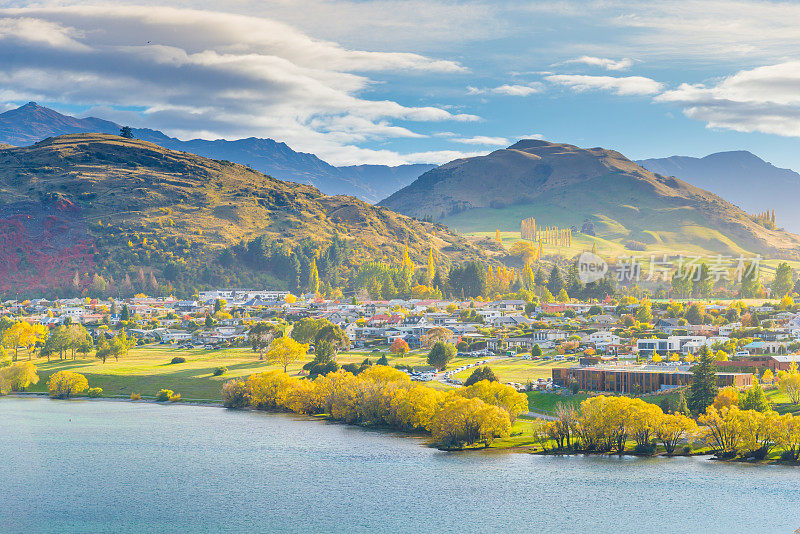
x: 516, y: 369
x: 147, y: 369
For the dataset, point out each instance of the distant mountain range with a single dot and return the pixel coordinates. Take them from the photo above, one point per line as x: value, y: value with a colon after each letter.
x: 742, y: 178
x: 31, y: 123
x: 568, y: 186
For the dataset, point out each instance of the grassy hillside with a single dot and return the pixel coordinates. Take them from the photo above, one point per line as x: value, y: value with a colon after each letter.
x: 565, y: 186
x: 139, y: 207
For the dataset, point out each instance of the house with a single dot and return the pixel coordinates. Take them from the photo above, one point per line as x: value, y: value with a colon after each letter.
x: 728, y: 329
x: 176, y: 335
x: 604, y: 319
x: 527, y: 342
x: 507, y: 306
x: 667, y: 325
x: 602, y: 339
x: 510, y: 321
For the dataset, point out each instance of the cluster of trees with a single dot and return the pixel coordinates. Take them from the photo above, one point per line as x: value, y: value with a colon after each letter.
x: 21, y: 334
x: 383, y: 396
x: 303, y: 267
x: 115, y: 347
x: 749, y: 433
x: 604, y: 424
x: 67, y: 339
x: 17, y: 377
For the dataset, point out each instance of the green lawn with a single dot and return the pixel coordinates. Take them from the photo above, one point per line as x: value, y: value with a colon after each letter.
x: 147, y: 369
x: 515, y: 369
x: 542, y: 401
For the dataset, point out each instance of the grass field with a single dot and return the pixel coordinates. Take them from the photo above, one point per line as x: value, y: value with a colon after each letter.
x: 515, y: 369
x: 147, y: 369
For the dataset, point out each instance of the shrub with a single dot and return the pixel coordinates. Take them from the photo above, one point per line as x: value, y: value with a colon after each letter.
x: 234, y: 394
x: 135, y: 397
x: 646, y: 448
x: 636, y: 245
x: 63, y: 384
x: 178, y: 359
x: 787, y: 456
x: 687, y: 449
x: 164, y: 395
x: 220, y: 371
x: 175, y: 398
x: 95, y: 392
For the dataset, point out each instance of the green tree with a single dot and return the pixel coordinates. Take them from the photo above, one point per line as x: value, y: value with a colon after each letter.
x: 126, y: 132
x: 783, y: 280
x: 304, y: 330
x: 481, y: 373
x: 332, y: 336
x: 261, y: 335
x: 704, y: 382
x: 556, y: 283
x: 126, y: 313
x: 749, y: 283
x: 703, y: 283
x: 536, y: 351
x: 754, y: 399
x: 682, y: 282
x: 441, y: 354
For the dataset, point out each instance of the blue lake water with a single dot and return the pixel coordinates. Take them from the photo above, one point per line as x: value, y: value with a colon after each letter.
x: 102, y: 466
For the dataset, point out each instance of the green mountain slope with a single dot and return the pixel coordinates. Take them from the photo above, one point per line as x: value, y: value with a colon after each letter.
x: 568, y: 186
x: 142, y: 211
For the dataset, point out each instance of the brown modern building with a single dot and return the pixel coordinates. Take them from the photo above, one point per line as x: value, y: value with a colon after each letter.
x: 638, y: 378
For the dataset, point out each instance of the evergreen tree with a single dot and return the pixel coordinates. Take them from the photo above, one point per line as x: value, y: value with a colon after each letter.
x: 748, y: 286
x: 481, y: 373
x: 704, y: 382
x: 441, y: 354
x: 126, y: 314
x: 783, y: 280
x: 539, y: 278
x: 126, y: 132
x: 703, y: 283
x: 556, y: 283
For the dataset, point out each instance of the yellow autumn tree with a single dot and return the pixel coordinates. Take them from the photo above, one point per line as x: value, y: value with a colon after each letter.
x: 286, y: 351
x: 64, y: 384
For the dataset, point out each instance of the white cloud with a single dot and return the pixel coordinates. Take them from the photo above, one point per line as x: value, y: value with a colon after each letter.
x: 482, y: 140
x: 625, y: 86
x: 764, y: 99
x: 212, y: 75
x: 530, y: 136
x: 605, y: 63
x: 509, y: 89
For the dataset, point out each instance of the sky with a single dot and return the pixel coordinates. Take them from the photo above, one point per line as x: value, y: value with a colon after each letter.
x: 394, y: 82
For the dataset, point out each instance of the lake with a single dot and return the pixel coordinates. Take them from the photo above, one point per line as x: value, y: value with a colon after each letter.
x: 105, y: 466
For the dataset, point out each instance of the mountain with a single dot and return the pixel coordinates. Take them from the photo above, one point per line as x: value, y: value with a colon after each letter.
x: 567, y: 186
x: 98, y: 203
x: 741, y: 177
x: 32, y: 123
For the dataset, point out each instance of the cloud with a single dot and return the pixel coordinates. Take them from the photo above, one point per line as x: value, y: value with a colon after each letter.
x: 764, y: 99
x: 482, y: 140
x: 208, y: 74
x: 625, y: 86
x: 509, y: 90
x: 605, y: 63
